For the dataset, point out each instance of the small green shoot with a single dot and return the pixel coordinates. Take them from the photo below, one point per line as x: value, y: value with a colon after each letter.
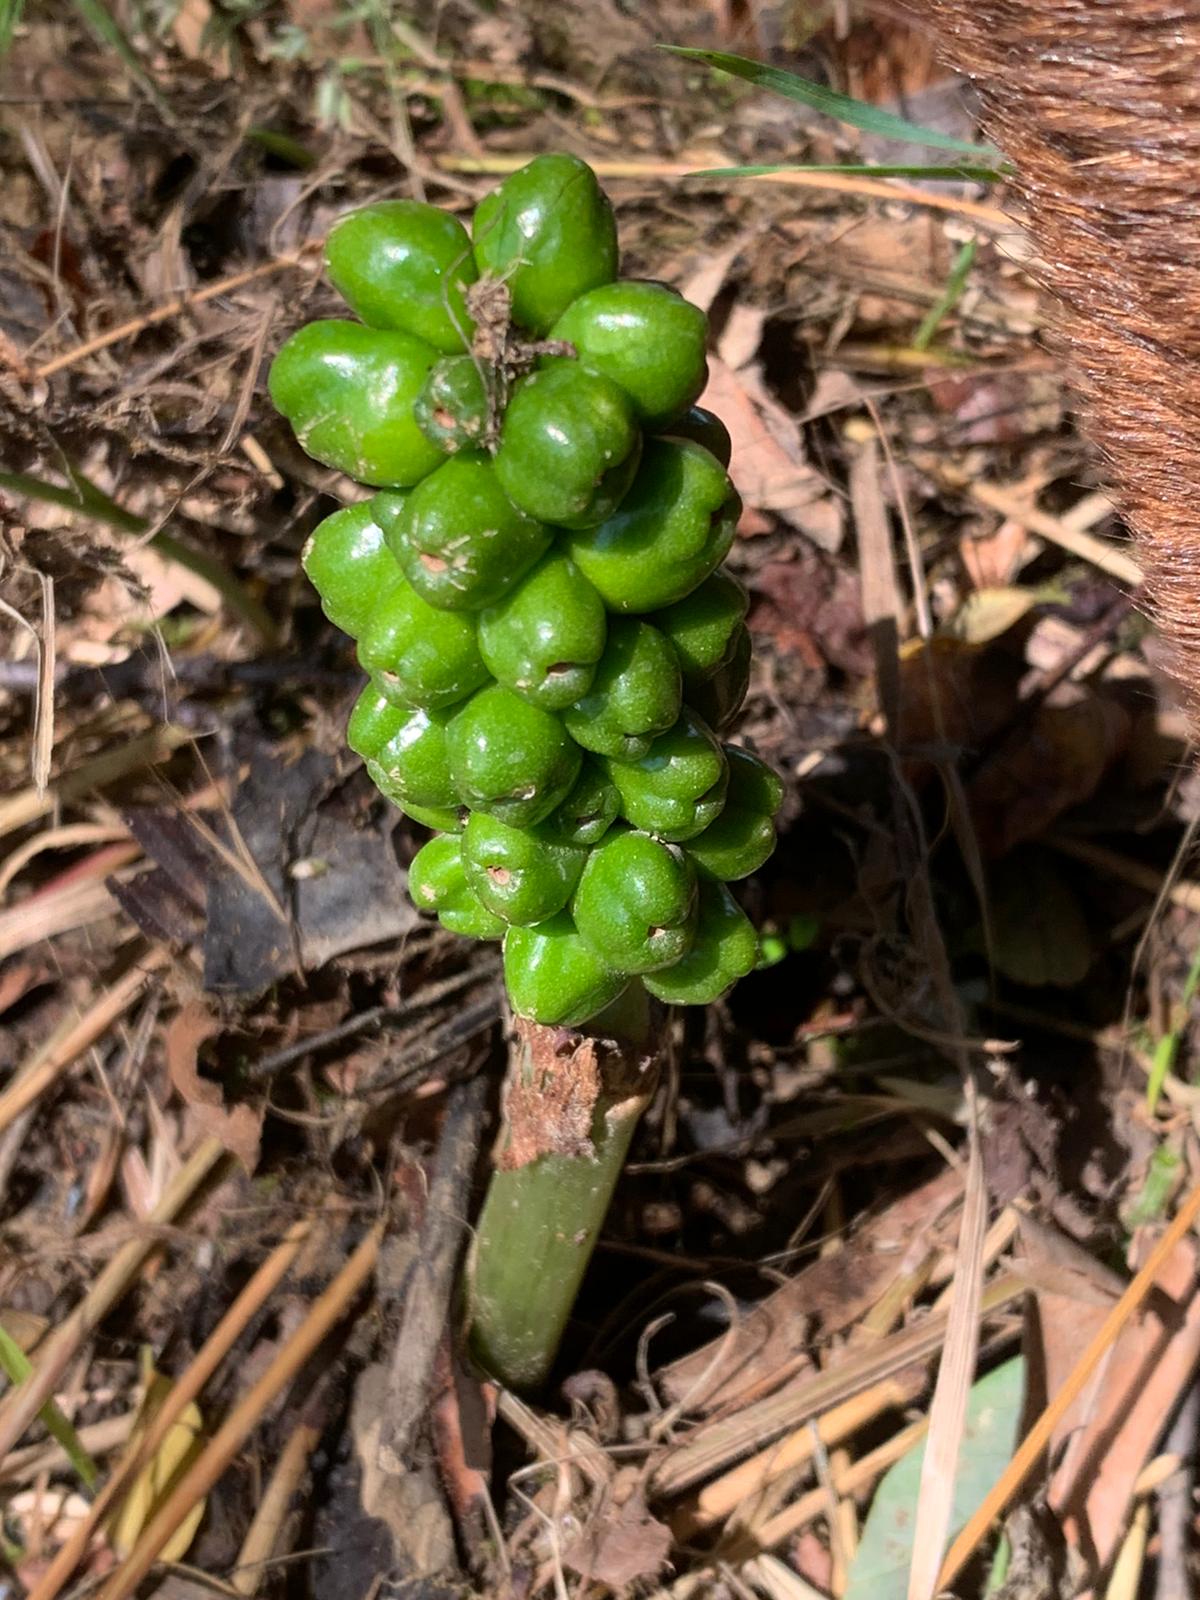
x: 17, y: 1367
x: 1166, y: 1051
x: 1162, y: 1179
x: 10, y: 18
x: 949, y: 297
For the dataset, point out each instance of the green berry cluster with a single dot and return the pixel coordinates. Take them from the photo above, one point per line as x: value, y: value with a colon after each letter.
x: 535, y: 589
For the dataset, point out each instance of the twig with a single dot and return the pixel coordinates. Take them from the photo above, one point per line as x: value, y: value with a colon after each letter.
x: 1174, y: 1577
x: 208, y: 1358
x: 262, y: 1542
x: 1101, y: 553
x: 24, y: 1402
x: 432, y: 994
x: 68, y: 1042
x: 429, y: 1285
x: 204, y: 1472
x: 173, y: 308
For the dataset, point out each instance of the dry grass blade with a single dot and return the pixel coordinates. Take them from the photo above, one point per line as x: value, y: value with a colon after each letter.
x: 173, y: 308
x: 208, y: 1358
x: 75, y: 1035
x: 856, y: 1477
x: 156, y: 744
x: 1102, y: 553
x: 67, y: 837
x: 881, y: 603
x: 79, y: 897
x: 1038, y: 1437
x: 204, y: 1472
x: 749, y: 1478
x: 64, y: 1344
x: 991, y: 217
x: 266, y: 1526
x: 948, y: 1414
x: 43, y: 705
x: 714, y: 1445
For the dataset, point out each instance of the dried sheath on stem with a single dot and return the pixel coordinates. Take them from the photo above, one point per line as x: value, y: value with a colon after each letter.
x: 1097, y: 104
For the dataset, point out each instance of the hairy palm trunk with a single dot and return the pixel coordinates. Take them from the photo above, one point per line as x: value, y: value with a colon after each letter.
x: 1097, y: 103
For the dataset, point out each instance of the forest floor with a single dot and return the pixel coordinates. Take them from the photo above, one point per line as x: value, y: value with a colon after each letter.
x: 941, y: 1129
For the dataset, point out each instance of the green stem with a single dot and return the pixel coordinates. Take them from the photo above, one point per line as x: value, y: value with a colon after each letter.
x: 540, y: 1220
x: 87, y: 499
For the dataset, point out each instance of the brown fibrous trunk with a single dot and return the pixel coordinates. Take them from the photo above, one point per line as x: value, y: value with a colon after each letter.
x: 1097, y: 105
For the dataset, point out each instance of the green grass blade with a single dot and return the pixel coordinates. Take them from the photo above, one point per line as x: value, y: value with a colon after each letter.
x: 108, y: 31
x: 852, y: 169
x: 17, y: 1367
x: 843, y: 107
x: 10, y: 17
x: 948, y: 299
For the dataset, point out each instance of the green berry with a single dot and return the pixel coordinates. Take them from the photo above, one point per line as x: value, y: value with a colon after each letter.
x: 549, y: 232
x: 704, y: 428
x: 645, y: 337
x: 410, y: 765
x: 404, y: 264
x: 678, y: 787
x: 673, y: 528
x: 544, y: 638
x: 445, y: 819
x: 347, y: 561
x: 438, y: 884
x: 417, y: 654
x: 569, y: 446
x: 522, y: 874
x: 510, y: 759
x: 555, y: 978
x: 636, y: 902
x: 373, y: 720
x: 725, y: 949
x: 348, y: 393
x: 590, y: 809
x: 460, y: 540
x: 634, y: 696
x: 743, y: 836
x: 719, y: 698
x: 703, y: 626
x: 454, y: 408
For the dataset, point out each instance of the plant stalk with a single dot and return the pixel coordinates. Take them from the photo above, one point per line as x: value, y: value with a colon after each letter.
x: 572, y: 1102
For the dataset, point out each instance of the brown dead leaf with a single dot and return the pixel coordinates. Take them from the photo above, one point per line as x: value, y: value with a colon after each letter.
x: 813, y: 609
x: 550, y: 1102
x: 994, y: 559
x: 954, y: 694
x: 1125, y: 1409
x: 827, y: 1296
x: 621, y: 1548
x: 768, y: 463
x: 238, y: 1127
x: 1052, y: 761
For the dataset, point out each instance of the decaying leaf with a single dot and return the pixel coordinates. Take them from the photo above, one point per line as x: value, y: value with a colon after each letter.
x: 621, y: 1547
x: 985, y: 614
x: 158, y: 1477
x: 238, y: 1127
x: 1052, y: 761
x: 768, y: 465
x: 1039, y: 932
